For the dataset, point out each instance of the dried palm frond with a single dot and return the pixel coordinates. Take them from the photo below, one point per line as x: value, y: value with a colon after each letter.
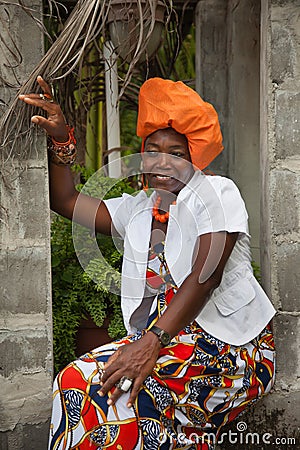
x: 65, y: 58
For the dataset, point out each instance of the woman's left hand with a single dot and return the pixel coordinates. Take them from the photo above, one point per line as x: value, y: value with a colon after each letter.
x: 135, y: 361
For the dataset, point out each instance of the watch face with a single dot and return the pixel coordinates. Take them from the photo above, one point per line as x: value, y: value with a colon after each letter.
x: 165, y: 338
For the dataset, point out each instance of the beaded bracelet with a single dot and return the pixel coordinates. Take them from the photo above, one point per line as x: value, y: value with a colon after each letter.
x: 63, y: 153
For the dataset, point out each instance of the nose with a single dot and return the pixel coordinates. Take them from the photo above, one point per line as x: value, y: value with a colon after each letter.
x: 164, y: 161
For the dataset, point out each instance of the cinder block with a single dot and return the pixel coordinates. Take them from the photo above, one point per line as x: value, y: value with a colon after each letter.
x: 34, y: 155
x: 21, y: 25
x: 271, y: 423
x: 27, y: 207
x: 16, y: 27
x: 26, y: 437
x: 282, y: 52
x: 23, y: 352
x: 287, y: 338
x: 284, y: 201
x: 286, y: 13
x: 25, y: 398
x: 288, y: 263
x: 287, y: 124
x: 25, y: 280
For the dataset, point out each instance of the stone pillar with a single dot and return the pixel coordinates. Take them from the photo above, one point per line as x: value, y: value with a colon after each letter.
x: 248, y: 66
x: 227, y: 68
x: 25, y: 317
x: 211, y: 66
x: 280, y: 198
x: 243, y: 51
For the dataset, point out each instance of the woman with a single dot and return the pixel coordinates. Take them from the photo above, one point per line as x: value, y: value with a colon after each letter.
x: 199, y: 347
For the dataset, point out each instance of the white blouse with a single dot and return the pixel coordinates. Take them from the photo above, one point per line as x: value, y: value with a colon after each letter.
x: 238, y: 309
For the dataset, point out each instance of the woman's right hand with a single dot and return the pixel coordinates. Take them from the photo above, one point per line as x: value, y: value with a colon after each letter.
x: 90, y: 212
x: 55, y: 125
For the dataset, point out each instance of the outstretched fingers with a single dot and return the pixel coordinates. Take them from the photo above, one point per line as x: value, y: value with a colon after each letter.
x: 44, y: 85
x: 44, y: 99
x: 54, y: 124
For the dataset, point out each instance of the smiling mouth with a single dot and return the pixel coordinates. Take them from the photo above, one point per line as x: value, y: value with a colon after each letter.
x: 163, y: 177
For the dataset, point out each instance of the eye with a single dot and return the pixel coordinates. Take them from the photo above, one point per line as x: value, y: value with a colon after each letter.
x: 178, y: 154
x: 151, y: 153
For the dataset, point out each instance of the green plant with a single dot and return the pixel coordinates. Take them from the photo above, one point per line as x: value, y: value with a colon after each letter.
x: 256, y: 271
x: 78, y: 293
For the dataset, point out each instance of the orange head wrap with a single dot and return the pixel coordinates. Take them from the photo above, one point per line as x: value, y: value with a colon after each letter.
x: 165, y: 103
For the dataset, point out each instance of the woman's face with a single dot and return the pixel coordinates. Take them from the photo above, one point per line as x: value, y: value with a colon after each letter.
x: 166, y: 160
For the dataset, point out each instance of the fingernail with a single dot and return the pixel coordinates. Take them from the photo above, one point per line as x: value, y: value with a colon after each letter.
x: 101, y: 393
x: 129, y: 405
x: 109, y: 402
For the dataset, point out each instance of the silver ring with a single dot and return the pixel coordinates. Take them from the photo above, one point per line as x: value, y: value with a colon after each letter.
x: 124, y: 384
x: 47, y: 98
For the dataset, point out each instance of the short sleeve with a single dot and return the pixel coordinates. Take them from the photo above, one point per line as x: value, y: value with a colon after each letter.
x: 120, y: 209
x: 220, y: 207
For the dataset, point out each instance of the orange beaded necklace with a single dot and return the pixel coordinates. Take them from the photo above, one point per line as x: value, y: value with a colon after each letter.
x: 162, y: 218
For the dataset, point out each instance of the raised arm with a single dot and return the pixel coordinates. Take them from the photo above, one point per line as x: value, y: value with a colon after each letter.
x: 90, y: 212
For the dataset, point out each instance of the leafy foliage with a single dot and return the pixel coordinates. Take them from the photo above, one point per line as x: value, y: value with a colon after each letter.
x: 256, y: 271
x: 177, y: 60
x: 75, y: 292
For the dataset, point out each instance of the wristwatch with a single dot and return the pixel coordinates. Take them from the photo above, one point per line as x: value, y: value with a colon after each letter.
x: 163, y: 336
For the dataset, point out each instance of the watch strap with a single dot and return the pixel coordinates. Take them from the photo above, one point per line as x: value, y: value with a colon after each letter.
x: 163, y: 336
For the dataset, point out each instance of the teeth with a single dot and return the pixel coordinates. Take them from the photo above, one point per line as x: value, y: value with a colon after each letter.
x: 160, y: 177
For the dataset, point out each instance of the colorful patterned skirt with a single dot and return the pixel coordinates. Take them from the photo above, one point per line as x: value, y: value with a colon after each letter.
x: 198, y: 385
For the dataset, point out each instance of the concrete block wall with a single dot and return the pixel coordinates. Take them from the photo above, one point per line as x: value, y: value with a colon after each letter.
x: 25, y: 292
x: 253, y: 47
x: 280, y: 176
